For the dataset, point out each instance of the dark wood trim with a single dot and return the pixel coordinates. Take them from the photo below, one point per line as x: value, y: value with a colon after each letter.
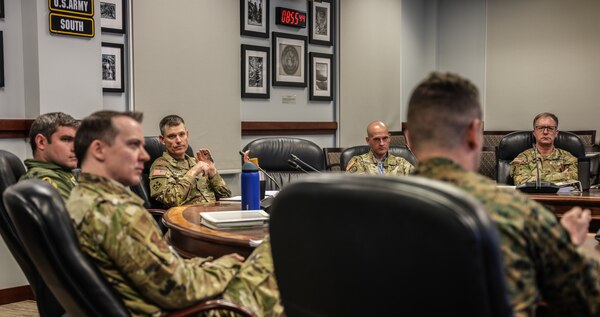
x: 15, y: 128
x: 287, y: 128
x: 16, y: 294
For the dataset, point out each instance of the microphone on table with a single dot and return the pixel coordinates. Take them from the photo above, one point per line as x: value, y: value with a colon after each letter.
x: 537, y: 167
x: 297, y: 159
x: 266, y: 174
x: 295, y: 165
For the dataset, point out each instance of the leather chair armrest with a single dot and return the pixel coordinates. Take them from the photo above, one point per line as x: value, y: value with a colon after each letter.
x: 212, y: 305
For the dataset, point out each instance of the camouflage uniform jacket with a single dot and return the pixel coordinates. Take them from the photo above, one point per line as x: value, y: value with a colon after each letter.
x: 540, y: 261
x: 61, y: 178
x: 170, y: 186
x: 559, y: 166
x: 368, y: 164
x: 124, y: 241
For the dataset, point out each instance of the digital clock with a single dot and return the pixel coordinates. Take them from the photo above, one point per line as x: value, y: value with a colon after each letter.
x: 290, y: 17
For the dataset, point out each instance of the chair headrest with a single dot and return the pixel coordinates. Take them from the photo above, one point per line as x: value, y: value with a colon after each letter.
x: 516, y: 142
x: 11, y: 169
x: 273, y: 153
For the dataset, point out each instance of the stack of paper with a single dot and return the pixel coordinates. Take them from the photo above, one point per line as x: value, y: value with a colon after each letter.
x: 237, y: 219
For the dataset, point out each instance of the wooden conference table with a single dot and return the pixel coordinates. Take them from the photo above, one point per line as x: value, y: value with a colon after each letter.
x: 191, y: 239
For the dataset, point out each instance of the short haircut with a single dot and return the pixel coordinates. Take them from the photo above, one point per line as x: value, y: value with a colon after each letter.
x: 99, y: 126
x: 47, y: 124
x: 545, y: 115
x: 440, y: 110
x: 169, y: 121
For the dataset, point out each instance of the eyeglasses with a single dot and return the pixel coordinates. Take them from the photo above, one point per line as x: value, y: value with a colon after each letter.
x: 541, y: 128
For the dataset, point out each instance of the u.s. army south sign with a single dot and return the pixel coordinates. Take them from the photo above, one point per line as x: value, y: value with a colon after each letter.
x: 72, y: 17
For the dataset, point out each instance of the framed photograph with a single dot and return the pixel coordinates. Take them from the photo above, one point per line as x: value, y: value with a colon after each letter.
x: 254, y: 18
x: 255, y: 71
x: 1, y: 59
x: 1, y: 9
x: 289, y: 60
x: 113, y: 78
x: 321, y: 17
x: 321, y: 77
x: 112, y: 16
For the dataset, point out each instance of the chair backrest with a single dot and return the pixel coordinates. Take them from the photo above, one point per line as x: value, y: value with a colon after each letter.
x: 514, y: 143
x: 11, y: 169
x: 41, y: 220
x: 155, y: 149
x: 356, y: 245
x: 274, y: 152
x: 332, y: 158
x: 397, y: 150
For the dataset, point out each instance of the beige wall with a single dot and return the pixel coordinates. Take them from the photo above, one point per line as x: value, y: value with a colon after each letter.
x: 369, y: 67
x: 542, y: 55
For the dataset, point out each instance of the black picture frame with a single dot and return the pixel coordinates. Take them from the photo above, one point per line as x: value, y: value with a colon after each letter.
x: 1, y: 59
x: 321, y: 18
x: 255, y: 71
x: 254, y: 18
x: 113, y: 67
x: 289, y: 60
x: 113, y: 16
x: 1, y: 9
x: 322, y: 76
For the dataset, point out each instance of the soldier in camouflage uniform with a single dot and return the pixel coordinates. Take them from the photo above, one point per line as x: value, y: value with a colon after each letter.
x: 124, y: 241
x: 177, y: 179
x: 555, y: 165
x: 51, y: 137
x: 378, y: 161
x: 541, y: 259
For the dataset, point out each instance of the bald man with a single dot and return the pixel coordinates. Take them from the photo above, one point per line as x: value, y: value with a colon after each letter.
x: 378, y: 161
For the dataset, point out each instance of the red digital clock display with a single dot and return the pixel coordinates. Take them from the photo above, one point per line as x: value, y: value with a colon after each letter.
x: 290, y: 17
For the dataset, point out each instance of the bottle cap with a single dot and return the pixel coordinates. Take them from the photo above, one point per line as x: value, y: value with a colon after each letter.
x: 254, y: 161
x: 249, y: 167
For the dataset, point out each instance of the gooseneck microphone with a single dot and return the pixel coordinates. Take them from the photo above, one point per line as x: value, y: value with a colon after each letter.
x: 297, y: 159
x: 538, y: 180
x: 266, y: 174
x: 295, y: 165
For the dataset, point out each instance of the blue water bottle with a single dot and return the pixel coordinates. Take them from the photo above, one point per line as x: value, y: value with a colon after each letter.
x: 250, y: 187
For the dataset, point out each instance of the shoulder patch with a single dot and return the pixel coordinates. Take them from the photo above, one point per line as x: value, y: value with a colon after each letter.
x: 158, y: 172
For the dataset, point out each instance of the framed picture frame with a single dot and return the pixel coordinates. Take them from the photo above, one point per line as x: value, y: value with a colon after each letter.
x: 289, y: 60
x: 1, y: 9
x: 322, y: 77
x: 1, y: 59
x: 113, y: 77
x: 254, y: 18
x: 112, y: 16
x: 255, y: 72
x: 321, y: 17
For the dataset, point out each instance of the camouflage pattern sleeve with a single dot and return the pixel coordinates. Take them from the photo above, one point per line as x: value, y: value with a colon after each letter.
x: 135, y: 246
x: 354, y: 166
x: 62, y: 180
x: 219, y: 187
x: 407, y: 168
x: 563, y: 169
x: 522, y: 168
x: 168, y: 189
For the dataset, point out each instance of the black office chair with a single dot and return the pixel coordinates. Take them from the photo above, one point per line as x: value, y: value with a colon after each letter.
x: 11, y: 169
x: 514, y: 143
x: 40, y: 218
x: 273, y: 154
x: 355, y: 245
x: 398, y: 150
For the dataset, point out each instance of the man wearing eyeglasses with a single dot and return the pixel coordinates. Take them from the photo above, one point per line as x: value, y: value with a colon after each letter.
x: 378, y: 161
x: 556, y: 165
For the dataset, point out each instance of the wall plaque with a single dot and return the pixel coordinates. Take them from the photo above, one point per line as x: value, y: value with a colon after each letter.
x: 79, y: 7
x: 71, y: 25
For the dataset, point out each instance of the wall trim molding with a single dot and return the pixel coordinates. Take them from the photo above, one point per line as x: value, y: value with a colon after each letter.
x: 15, y: 128
x: 287, y: 128
x: 16, y: 294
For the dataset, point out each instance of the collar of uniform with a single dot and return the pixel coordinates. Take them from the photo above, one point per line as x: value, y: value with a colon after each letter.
x: 375, y: 161
x: 175, y: 162
x: 429, y: 166
x: 101, y: 183
x: 32, y: 163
